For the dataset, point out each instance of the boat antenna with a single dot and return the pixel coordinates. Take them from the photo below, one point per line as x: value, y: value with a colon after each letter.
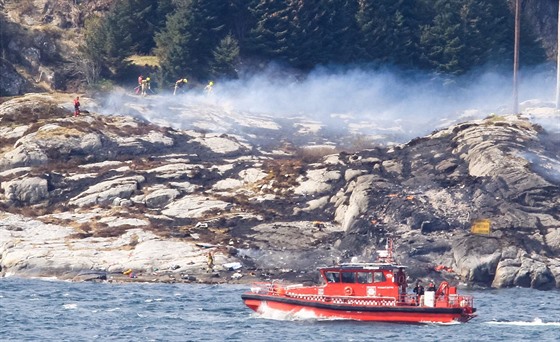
x: 386, y: 256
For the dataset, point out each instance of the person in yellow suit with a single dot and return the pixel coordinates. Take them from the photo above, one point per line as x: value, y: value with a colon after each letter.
x: 209, y: 87
x: 179, y: 85
x: 210, y: 263
x: 145, y: 86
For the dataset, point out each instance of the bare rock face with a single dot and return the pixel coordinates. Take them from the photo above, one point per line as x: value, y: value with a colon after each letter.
x: 476, y: 258
x: 27, y: 190
x: 150, y: 192
x: 106, y: 192
x: 358, y: 202
x: 24, y: 155
x: 32, y: 248
x: 11, y: 82
x: 161, y: 197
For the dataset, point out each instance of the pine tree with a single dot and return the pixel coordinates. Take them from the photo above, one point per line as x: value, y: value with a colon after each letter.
x: 225, y: 58
x: 341, y: 41
x: 89, y: 61
x: 270, y: 37
x: 304, y: 34
x: 442, y: 42
x: 171, y: 45
x: 108, y: 40
x: 118, y: 38
x: 239, y: 20
x: 390, y: 30
x: 207, y: 28
x: 94, y: 38
x: 322, y: 32
x: 469, y: 33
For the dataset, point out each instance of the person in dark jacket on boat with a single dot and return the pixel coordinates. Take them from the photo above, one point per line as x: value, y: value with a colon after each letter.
x: 419, y: 291
x: 431, y: 287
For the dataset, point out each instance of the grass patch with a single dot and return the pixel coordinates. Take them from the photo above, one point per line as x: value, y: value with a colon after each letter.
x: 492, y: 118
x: 282, y: 173
x: 58, y: 132
x: 152, y: 61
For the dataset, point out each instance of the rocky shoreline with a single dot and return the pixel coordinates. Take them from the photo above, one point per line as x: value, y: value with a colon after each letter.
x: 108, y: 193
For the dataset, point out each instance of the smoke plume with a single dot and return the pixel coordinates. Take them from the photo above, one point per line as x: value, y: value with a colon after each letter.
x: 354, y: 101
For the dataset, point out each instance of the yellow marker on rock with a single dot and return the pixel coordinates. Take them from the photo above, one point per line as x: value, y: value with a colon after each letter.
x: 481, y: 227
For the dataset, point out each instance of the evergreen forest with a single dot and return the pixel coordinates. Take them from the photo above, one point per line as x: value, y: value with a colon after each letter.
x: 211, y: 39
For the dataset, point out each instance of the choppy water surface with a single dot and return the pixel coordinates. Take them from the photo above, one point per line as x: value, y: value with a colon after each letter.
x: 39, y: 310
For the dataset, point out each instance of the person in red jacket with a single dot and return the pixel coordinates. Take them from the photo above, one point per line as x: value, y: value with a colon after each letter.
x: 77, y: 106
x: 137, y: 89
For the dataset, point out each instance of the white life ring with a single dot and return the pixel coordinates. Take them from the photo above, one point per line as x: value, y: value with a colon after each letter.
x: 348, y: 291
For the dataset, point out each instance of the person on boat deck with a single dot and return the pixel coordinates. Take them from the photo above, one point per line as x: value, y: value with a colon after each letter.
x: 418, y: 289
x: 431, y: 287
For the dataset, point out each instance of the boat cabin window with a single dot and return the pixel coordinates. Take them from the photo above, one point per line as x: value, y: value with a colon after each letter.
x: 379, y: 277
x: 332, y: 277
x: 365, y: 277
x: 348, y: 277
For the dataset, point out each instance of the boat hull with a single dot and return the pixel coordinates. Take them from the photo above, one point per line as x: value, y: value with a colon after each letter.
x: 397, y: 314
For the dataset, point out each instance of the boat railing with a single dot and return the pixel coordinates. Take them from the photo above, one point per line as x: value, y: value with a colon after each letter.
x: 452, y: 300
x: 273, y: 288
x: 408, y: 299
x: 261, y: 287
x: 463, y: 301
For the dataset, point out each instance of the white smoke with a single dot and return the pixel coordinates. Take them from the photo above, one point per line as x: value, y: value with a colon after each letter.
x: 360, y: 101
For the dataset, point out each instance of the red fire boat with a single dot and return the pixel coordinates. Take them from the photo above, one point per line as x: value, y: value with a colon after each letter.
x: 364, y: 292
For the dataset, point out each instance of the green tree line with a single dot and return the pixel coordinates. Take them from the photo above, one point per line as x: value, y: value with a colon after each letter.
x: 215, y: 38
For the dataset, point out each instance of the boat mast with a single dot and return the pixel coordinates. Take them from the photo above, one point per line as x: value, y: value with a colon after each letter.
x: 386, y: 255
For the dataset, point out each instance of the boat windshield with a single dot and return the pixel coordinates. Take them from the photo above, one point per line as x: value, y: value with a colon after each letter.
x: 379, y: 277
x: 360, y: 277
x: 332, y: 277
x: 365, y: 277
x: 348, y: 277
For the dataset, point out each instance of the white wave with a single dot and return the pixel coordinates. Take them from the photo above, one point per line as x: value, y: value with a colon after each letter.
x: 114, y: 309
x: 153, y: 300
x: 305, y: 314
x: 267, y: 312
x: 440, y: 323
x: 536, y: 322
x: 70, y: 306
x: 49, y: 279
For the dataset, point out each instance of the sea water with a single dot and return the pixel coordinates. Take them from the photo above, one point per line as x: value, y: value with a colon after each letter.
x: 41, y: 310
